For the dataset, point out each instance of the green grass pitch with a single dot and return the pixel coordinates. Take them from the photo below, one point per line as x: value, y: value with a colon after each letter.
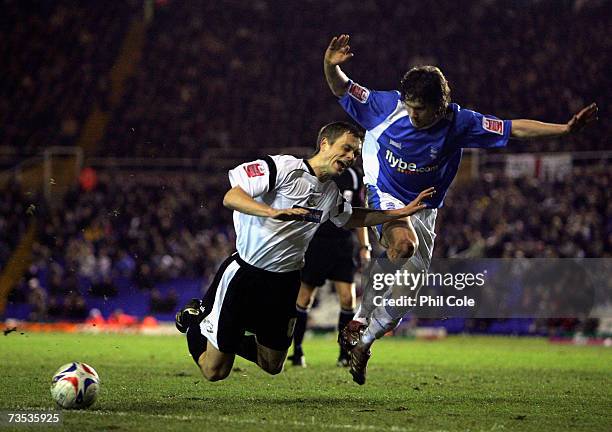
x: 150, y: 383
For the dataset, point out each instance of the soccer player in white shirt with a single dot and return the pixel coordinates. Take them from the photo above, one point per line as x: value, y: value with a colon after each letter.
x: 278, y: 203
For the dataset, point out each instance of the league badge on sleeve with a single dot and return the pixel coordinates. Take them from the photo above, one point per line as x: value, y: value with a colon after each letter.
x: 493, y: 125
x: 254, y: 170
x: 358, y: 92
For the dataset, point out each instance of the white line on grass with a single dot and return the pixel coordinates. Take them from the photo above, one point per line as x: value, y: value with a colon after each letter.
x: 226, y: 419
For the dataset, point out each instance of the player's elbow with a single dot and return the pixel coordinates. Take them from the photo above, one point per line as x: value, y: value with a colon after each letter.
x: 229, y: 199
x: 518, y: 130
x: 226, y: 201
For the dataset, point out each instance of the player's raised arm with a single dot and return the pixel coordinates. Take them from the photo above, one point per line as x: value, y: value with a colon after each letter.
x: 237, y: 199
x: 337, y: 53
x: 370, y: 217
x: 526, y: 129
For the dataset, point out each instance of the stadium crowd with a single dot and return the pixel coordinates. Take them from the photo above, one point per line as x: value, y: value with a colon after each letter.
x: 149, y: 229
x: 15, y: 206
x: 499, y: 217
x: 143, y: 228
x: 210, y: 78
x: 56, y: 62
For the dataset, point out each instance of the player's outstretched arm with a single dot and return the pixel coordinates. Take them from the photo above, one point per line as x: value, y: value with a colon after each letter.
x: 237, y: 199
x: 527, y: 129
x: 337, y: 53
x: 369, y: 217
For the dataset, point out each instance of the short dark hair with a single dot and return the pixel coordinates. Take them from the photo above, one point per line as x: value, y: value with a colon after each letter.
x: 427, y: 84
x: 333, y: 131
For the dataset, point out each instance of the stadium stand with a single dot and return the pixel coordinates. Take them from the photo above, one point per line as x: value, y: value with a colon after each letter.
x: 212, y: 79
x: 57, y: 56
x: 142, y: 236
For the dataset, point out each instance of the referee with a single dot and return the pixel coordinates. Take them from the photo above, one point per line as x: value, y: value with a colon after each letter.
x: 331, y: 256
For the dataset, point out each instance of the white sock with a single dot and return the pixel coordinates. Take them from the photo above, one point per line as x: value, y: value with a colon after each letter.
x: 367, y: 301
x: 380, y: 323
x: 382, y: 319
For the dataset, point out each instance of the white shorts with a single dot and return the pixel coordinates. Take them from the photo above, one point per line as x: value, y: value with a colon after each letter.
x: 424, y: 223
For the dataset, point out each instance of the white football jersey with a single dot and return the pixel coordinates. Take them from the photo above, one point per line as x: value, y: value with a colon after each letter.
x: 283, y: 182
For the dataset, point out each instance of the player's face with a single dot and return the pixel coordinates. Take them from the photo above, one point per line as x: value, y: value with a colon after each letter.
x: 343, y: 152
x: 421, y: 115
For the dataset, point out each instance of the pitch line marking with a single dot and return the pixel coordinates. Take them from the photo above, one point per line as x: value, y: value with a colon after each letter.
x: 295, y: 423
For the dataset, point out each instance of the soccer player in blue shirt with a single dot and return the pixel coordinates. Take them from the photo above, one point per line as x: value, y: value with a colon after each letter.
x: 414, y: 139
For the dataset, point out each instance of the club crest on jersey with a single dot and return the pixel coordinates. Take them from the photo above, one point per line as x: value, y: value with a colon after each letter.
x: 395, y: 144
x: 254, y: 170
x: 358, y: 92
x: 493, y: 125
x: 208, y: 326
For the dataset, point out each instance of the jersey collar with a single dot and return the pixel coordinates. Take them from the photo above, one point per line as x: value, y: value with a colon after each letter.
x: 310, y: 170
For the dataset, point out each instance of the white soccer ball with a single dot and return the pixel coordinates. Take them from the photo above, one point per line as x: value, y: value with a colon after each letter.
x: 75, y: 385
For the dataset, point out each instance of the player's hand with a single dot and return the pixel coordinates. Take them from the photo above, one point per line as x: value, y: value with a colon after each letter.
x: 338, y: 50
x: 418, y: 204
x: 582, y: 118
x: 291, y: 214
x: 365, y: 256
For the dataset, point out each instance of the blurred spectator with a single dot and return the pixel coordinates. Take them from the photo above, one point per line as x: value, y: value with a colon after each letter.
x: 120, y: 318
x: 95, y: 318
x: 17, y: 207
x: 37, y: 299
x: 163, y: 304
x: 75, y: 306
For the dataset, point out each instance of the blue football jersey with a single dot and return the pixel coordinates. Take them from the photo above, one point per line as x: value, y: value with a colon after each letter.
x: 402, y: 160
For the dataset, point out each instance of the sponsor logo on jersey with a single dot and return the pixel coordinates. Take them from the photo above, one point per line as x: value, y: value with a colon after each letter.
x: 358, y: 92
x: 493, y: 125
x: 407, y: 167
x: 254, y: 170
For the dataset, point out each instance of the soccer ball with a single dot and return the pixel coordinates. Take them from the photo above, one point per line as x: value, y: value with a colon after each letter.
x: 75, y: 385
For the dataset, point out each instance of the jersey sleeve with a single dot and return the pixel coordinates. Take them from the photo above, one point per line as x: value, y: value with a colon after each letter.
x: 483, y: 131
x: 256, y: 177
x: 341, y: 211
x: 368, y: 107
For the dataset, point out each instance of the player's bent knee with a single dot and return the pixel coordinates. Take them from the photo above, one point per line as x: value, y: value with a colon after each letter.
x: 273, y: 367
x: 215, y: 374
x: 404, y: 248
